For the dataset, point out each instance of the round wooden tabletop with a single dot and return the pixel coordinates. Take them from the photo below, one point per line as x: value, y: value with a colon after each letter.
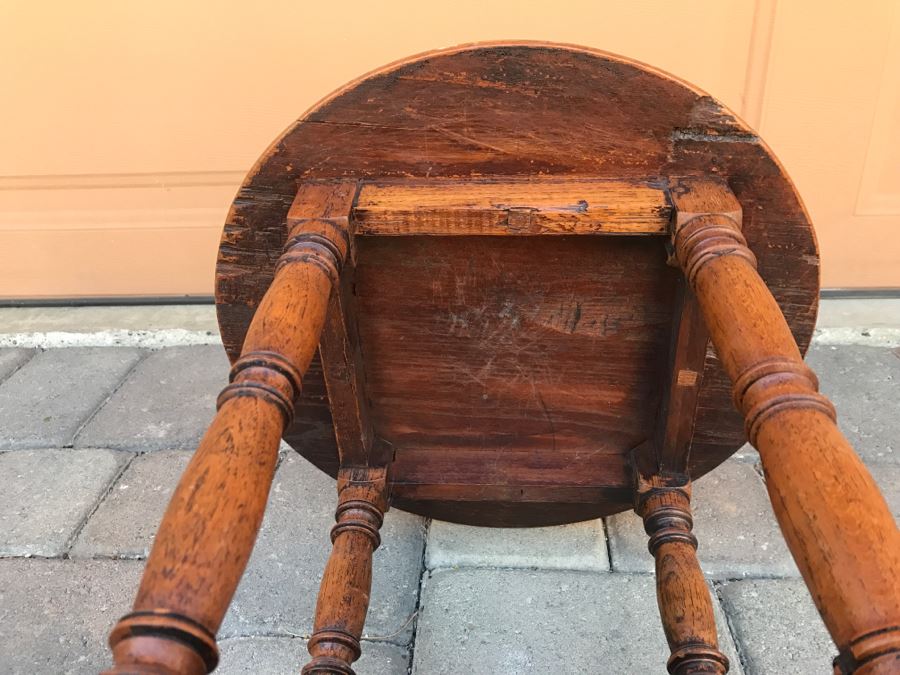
x: 512, y: 376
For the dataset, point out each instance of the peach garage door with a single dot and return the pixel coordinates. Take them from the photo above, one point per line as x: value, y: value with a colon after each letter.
x: 127, y: 126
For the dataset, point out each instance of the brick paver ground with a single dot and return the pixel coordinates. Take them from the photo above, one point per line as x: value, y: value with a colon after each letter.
x: 734, y: 524
x: 95, y: 439
x: 48, y: 400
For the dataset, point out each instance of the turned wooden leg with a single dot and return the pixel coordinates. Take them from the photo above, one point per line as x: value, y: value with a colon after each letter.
x: 686, y: 610
x: 835, y: 521
x: 208, y: 532
x: 344, y: 593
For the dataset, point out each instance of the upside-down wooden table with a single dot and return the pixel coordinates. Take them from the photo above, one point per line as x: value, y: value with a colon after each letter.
x: 530, y: 272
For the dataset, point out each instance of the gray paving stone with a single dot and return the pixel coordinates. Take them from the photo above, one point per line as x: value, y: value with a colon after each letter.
x: 777, y: 627
x: 888, y: 479
x: 46, y: 401
x: 746, y: 453
x: 516, y: 621
x: 279, y: 589
x: 47, y: 494
x: 862, y: 382
x: 55, y: 614
x: 126, y: 522
x: 579, y: 546
x: 734, y: 524
x: 13, y: 359
x: 285, y: 656
x: 166, y: 403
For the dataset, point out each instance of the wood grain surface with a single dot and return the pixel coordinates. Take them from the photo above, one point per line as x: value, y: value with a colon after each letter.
x: 207, y: 534
x: 836, y: 523
x: 685, y: 605
x: 535, y: 206
x: 511, y: 376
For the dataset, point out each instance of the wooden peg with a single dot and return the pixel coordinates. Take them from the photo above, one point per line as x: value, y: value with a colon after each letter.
x: 344, y: 592
x: 835, y: 521
x: 209, y: 529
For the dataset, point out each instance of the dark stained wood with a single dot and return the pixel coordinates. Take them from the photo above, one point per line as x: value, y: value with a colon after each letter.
x: 344, y: 379
x: 669, y: 450
x: 498, y: 352
x: 347, y: 582
x: 685, y: 380
x: 836, y: 523
x: 208, y: 532
x: 489, y: 206
x: 788, y: 272
x: 686, y: 610
x: 503, y: 368
x: 483, y: 376
x: 339, y: 350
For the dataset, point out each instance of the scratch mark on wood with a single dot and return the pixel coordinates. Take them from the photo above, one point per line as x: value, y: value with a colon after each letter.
x: 549, y: 419
x: 576, y: 317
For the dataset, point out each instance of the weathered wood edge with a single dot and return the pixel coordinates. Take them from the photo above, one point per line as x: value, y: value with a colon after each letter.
x: 504, y: 206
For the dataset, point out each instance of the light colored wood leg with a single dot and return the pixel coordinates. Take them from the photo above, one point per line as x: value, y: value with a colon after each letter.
x: 209, y: 529
x: 344, y: 592
x: 835, y: 521
x: 685, y: 606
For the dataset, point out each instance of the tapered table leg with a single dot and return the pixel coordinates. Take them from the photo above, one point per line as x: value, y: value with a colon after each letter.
x: 208, y: 531
x: 685, y: 606
x: 836, y: 523
x: 347, y: 582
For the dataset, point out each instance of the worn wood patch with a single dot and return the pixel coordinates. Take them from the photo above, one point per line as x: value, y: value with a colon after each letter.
x: 512, y: 207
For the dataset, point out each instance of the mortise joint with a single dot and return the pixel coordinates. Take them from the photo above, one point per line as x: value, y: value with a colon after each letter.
x: 706, y: 225
x: 320, y: 217
x: 522, y: 219
x: 664, y: 503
